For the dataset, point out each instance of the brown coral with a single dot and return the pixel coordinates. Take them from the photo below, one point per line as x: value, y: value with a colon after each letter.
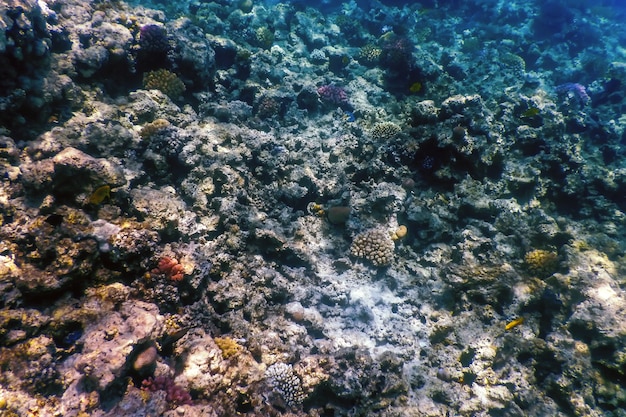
x: 542, y: 263
x: 228, y: 346
x: 375, y: 246
x: 154, y: 127
x: 165, y: 81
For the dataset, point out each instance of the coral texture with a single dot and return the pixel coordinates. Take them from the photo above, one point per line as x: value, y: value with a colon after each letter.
x: 285, y: 383
x: 374, y: 245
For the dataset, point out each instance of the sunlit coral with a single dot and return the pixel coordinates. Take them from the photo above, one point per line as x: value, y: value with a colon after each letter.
x: 541, y: 262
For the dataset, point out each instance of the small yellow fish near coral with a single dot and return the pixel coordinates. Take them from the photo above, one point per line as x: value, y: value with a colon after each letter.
x: 532, y: 112
x: 514, y: 323
x: 416, y: 87
x: 101, y: 194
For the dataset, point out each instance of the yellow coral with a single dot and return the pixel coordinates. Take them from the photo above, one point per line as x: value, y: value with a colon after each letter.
x: 165, y: 81
x: 153, y: 127
x: 370, y: 54
x: 541, y: 262
x: 228, y: 346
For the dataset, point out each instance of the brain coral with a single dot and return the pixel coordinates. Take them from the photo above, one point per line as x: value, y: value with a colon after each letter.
x: 375, y: 246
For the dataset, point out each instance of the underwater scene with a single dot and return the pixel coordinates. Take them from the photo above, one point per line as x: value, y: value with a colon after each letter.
x: 312, y: 208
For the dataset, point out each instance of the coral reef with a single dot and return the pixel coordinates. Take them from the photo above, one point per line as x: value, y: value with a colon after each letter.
x: 338, y: 209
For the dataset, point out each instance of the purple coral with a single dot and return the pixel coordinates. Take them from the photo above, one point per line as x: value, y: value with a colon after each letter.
x: 333, y: 94
x: 153, y: 39
x: 175, y: 394
x: 574, y: 88
x: 154, y: 47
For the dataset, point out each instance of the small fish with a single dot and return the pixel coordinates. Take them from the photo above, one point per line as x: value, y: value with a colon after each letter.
x: 72, y: 337
x: 349, y: 116
x: 416, y: 87
x: 278, y: 149
x: 101, y: 194
x: 514, y: 323
x: 532, y: 112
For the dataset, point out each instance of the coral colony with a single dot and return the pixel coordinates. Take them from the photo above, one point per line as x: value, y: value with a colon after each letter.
x: 333, y: 94
x: 577, y: 90
x: 302, y: 209
x: 175, y: 395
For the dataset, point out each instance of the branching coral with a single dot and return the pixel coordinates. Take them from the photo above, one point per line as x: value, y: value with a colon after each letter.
x: 541, y: 262
x: 385, y: 131
x: 285, y: 383
x: 578, y: 90
x: 228, y: 346
x: 153, y: 127
x: 370, y: 54
x: 332, y: 94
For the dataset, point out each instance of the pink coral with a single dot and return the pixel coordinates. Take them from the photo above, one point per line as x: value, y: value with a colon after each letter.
x: 333, y: 94
x: 175, y: 394
x: 170, y: 268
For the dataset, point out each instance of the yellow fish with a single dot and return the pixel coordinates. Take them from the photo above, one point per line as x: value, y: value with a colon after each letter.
x: 101, y: 194
x: 416, y: 87
x: 514, y: 323
x: 532, y: 112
